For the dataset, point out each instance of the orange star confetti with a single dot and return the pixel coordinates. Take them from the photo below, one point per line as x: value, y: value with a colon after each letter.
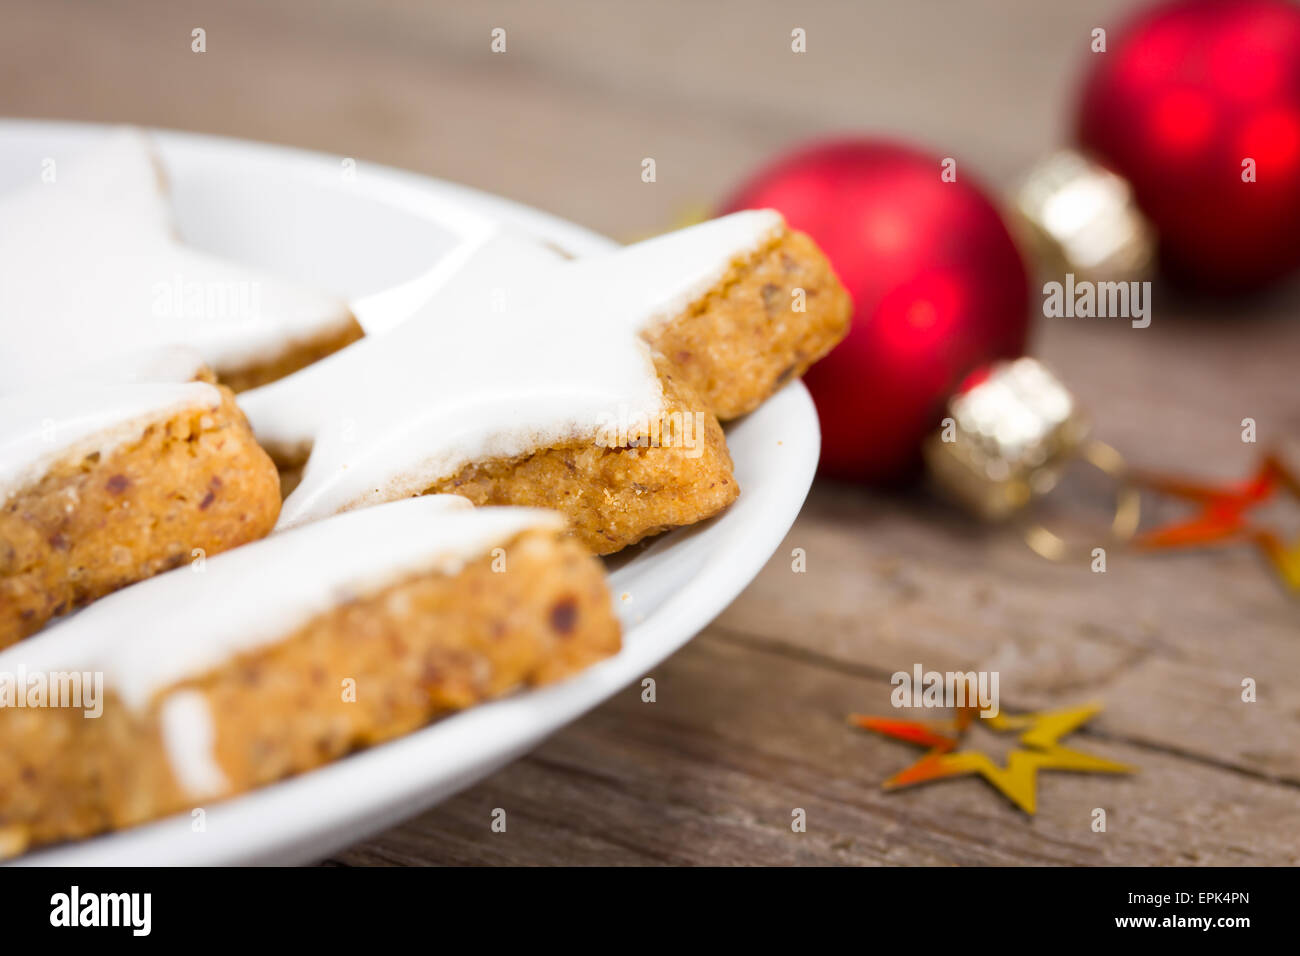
x: 1223, y: 518
x: 1038, y: 735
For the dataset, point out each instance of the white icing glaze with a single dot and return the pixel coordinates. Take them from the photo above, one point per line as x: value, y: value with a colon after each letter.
x: 90, y: 266
x: 168, y: 363
x: 40, y: 427
x: 522, y: 349
x: 189, y: 736
x: 185, y: 623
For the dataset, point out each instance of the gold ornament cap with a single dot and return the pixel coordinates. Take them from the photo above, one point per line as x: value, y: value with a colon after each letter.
x: 1008, y: 438
x: 1080, y: 217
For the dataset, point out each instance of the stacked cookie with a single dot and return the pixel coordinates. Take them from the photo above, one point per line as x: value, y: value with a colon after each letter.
x: 585, y: 393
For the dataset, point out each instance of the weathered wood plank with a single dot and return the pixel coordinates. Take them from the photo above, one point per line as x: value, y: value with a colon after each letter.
x: 739, y: 736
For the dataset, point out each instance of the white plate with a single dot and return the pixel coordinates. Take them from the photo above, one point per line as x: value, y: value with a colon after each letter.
x: 293, y: 212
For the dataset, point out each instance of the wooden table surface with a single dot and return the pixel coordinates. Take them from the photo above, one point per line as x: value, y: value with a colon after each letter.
x: 749, y: 721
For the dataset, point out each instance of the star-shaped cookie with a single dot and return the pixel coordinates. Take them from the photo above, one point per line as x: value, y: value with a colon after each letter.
x: 522, y: 350
x: 91, y: 268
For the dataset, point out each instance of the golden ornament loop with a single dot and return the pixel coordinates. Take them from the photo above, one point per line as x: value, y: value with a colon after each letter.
x: 1123, y: 526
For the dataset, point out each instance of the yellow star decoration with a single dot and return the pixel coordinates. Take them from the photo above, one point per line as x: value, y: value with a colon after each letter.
x: 1285, y: 557
x: 1038, y: 735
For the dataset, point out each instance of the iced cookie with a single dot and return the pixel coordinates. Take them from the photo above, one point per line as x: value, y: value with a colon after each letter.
x: 90, y: 265
x: 103, y: 483
x: 533, y: 379
x: 290, y: 652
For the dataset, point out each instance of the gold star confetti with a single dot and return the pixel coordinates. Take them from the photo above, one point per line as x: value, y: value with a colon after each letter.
x: 1037, y: 736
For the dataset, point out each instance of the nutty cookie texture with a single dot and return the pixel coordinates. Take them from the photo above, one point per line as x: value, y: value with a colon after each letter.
x: 770, y: 318
x: 614, y: 495
x: 192, y: 485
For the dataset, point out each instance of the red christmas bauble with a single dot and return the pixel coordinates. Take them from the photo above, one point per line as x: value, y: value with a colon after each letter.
x: 938, y: 286
x: 1181, y: 100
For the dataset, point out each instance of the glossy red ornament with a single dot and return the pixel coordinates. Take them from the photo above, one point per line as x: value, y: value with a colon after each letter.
x: 938, y: 286
x: 1182, y: 97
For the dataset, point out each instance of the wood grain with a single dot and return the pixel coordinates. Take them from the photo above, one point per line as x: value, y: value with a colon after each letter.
x: 749, y: 721
x: 740, y: 735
